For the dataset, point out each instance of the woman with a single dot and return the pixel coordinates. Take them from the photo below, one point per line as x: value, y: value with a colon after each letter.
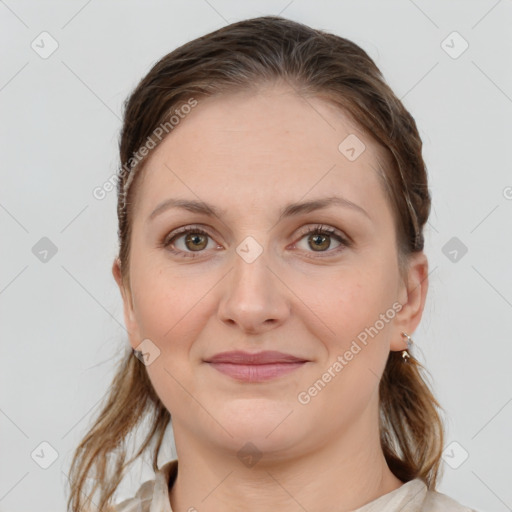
x: 271, y: 203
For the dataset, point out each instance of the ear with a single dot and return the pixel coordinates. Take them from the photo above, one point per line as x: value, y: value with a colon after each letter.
x: 412, y: 299
x: 129, y: 315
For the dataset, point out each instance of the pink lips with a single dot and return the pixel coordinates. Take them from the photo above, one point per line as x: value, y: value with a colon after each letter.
x: 255, y: 367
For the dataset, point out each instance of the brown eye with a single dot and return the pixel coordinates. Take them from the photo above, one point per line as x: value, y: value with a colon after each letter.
x: 187, y: 241
x: 317, y: 241
x: 196, y: 241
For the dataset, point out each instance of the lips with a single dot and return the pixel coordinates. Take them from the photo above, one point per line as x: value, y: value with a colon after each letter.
x: 247, y: 358
x: 256, y: 367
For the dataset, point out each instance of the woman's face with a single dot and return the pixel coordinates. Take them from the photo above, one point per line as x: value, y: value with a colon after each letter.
x: 257, y: 281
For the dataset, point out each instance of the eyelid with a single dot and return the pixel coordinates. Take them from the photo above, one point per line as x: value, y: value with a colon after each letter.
x: 183, y: 230
x: 311, y: 228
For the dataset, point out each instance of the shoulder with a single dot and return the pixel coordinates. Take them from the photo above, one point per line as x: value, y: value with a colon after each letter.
x: 140, y: 502
x: 414, y: 496
x: 152, y: 493
x: 437, y: 501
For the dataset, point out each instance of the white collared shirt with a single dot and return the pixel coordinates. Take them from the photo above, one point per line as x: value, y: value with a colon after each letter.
x: 413, y: 496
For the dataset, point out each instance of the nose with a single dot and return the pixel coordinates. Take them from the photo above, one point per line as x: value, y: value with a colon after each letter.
x: 254, y: 299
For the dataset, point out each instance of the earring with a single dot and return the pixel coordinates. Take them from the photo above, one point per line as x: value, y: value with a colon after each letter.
x: 405, y: 354
x: 137, y: 354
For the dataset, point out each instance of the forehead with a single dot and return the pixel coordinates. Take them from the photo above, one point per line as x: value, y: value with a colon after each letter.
x: 263, y: 146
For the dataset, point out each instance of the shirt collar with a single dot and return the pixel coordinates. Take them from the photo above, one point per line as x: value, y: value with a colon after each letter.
x: 409, y: 497
x: 164, y: 478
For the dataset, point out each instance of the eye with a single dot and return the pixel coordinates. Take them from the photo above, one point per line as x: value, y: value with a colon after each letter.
x: 319, y: 240
x: 194, y: 240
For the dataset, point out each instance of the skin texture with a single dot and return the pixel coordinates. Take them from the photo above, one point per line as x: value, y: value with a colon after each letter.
x: 251, y: 153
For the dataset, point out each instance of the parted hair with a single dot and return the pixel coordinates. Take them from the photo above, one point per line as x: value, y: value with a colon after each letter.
x: 242, y: 55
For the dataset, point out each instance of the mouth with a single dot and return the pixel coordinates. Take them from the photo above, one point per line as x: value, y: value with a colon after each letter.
x: 256, y: 372
x: 255, y: 367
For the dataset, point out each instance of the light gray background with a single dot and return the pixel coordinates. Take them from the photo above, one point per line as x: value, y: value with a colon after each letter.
x: 62, y: 324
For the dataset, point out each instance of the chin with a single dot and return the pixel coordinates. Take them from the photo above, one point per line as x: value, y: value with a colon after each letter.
x: 271, y: 429
x: 259, y: 444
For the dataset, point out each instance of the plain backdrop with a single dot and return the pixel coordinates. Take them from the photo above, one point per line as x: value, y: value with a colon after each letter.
x: 61, y: 312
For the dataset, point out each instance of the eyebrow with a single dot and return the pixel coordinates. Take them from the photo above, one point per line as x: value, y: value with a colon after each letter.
x: 291, y: 209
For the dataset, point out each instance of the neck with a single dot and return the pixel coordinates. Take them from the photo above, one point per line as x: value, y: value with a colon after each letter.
x: 342, y: 475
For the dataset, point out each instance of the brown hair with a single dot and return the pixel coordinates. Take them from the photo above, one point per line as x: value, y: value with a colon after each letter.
x: 246, y: 54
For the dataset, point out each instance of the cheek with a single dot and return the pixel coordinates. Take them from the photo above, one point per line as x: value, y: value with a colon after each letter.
x: 346, y: 299
x: 165, y: 300
x: 172, y: 310
x: 356, y: 353
x: 357, y: 308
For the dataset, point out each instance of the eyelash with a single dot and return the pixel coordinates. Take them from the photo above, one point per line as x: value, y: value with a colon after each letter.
x: 313, y: 230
